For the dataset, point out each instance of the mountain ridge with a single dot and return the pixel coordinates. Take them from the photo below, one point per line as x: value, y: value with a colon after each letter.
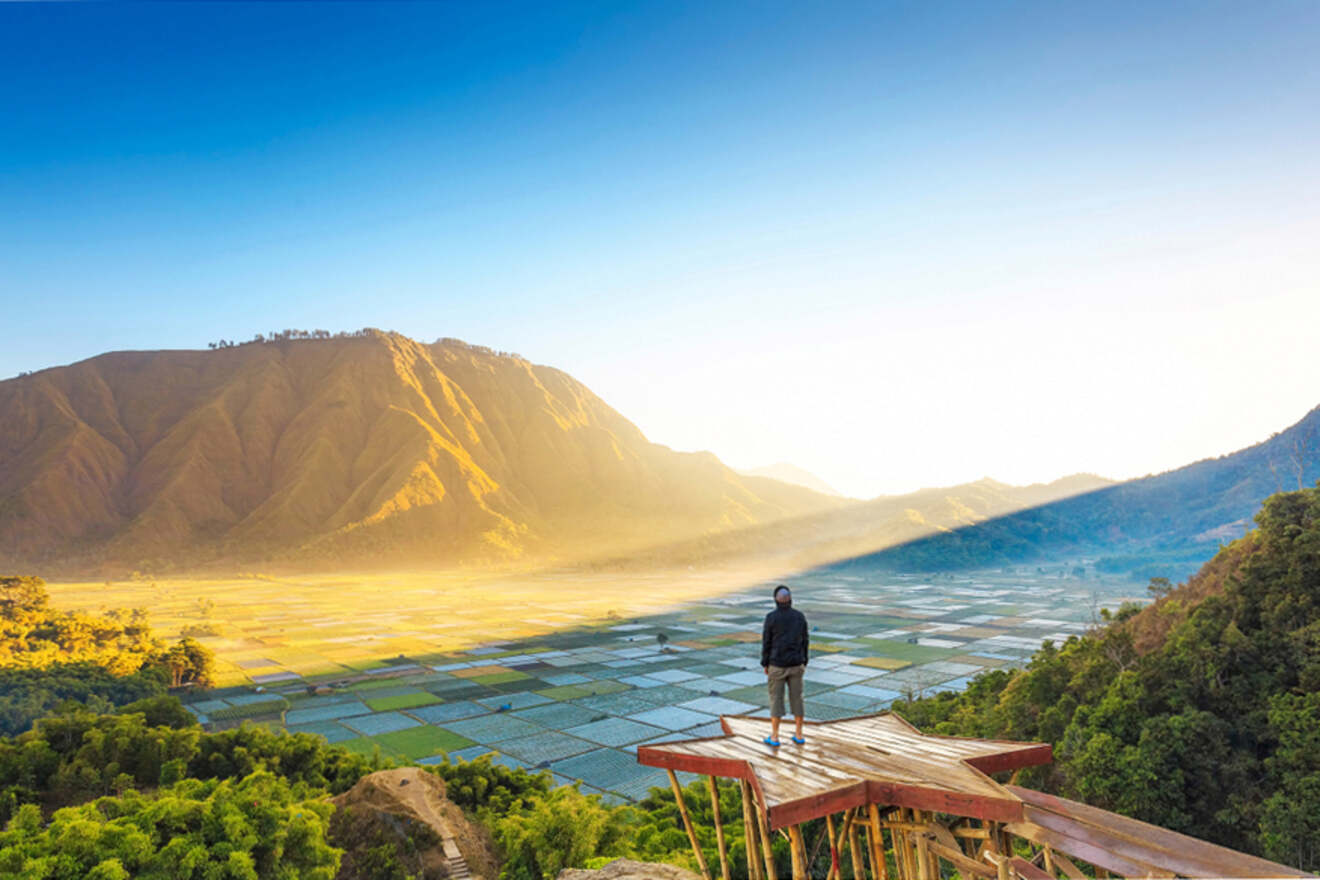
x: 341, y: 449
x: 1164, y: 524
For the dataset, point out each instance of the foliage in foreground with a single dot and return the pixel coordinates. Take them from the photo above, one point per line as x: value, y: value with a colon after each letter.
x: 1215, y: 730
x: 258, y: 826
x: 48, y: 657
x: 539, y: 830
x: 147, y: 793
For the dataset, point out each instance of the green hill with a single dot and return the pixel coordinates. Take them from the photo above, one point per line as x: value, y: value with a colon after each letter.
x: 1200, y: 713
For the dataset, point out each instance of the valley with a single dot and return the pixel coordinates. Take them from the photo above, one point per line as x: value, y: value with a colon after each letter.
x: 570, y: 672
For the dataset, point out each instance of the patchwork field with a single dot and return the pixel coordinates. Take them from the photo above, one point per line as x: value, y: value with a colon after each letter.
x: 572, y: 673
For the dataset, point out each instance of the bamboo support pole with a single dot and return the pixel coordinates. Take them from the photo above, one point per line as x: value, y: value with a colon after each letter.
x: 767, y: 849
x: 833, y: 873
x: 836, y: 842
x: 799, y: 852
x: 687, y: 825
x: 879, y: 867
x: 910, y: 866
x: 855, y: 852
x: 896, y: 846
x: 749, y: 832
x: 719, y: 828
x: 923, y: 859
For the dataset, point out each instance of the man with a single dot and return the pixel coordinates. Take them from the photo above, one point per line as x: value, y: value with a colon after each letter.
x: 784, y: 659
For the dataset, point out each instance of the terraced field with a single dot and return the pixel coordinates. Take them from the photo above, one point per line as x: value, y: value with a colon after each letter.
x: 572, y: 674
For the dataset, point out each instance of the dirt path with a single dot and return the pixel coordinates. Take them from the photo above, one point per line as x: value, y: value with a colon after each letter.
x: 416, y: 791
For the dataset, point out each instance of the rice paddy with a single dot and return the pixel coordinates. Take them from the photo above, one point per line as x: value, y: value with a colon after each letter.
x: 570, y: 674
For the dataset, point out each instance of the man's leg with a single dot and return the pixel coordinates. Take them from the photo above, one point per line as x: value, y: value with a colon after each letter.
x: 776, y: 681
x: 795, y: 699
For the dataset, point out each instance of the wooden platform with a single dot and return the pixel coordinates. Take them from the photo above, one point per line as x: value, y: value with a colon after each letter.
x: 1128, y: 847
x: 882, y: 786
x: 874, y: 759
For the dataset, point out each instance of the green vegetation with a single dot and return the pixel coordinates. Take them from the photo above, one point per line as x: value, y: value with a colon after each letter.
x: 403, y: 701
x: 258, y: 826
x: 147, y: 793
x: 48, y: 657
x: 1200, y: 713
x: 250, y: 710
x: 540, y: 830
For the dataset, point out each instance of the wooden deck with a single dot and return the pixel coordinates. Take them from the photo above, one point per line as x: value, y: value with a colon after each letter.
x: 875, y: 759
x: 882, y: 787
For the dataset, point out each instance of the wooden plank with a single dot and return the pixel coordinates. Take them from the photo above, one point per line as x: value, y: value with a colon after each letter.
x: 1101, y: 857
x: 963, y: 863
x: 1066, y: 865
x: 818, y: 805
x: 719, y: 828
x: 1031, y: 755
x: 1158, y: 847
x: 687, y: 825
x: 1000, y: 809
x: 1027, y: 871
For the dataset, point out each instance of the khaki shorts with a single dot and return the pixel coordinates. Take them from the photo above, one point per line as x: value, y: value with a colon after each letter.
x: 786, y: 675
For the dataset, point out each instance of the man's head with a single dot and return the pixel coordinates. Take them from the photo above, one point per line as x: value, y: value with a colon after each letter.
x: 783, y: 597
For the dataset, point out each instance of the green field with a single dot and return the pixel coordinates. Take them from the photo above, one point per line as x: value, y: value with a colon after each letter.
x: 403, y: 701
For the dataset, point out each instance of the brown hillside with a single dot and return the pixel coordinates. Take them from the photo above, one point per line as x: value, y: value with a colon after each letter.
x: 406, y: 812
x: 1151, y: 625
x: 372, y: 449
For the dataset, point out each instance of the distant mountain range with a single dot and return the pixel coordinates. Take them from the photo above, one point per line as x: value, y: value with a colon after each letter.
x: 368, y: 450
x: 788, y: 473
x: 1164, y: 525
x: 374, y: 450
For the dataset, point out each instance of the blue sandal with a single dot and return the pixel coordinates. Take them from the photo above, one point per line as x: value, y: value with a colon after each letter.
x: 771, y: 742
x: 800, y: 740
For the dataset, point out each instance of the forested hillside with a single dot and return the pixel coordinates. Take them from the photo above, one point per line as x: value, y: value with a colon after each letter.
x: 1200, y: 713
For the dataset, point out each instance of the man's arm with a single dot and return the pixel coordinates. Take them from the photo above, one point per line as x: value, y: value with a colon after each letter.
x: 806, y: 639
x: 765, y: 644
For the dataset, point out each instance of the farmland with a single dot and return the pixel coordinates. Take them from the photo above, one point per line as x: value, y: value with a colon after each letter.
x: 570, y: 673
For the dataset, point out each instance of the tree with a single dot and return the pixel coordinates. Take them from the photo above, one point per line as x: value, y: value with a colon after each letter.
x: 190, y: 664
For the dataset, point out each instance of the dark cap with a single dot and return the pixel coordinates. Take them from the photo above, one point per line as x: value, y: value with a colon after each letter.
x: 782, y: 593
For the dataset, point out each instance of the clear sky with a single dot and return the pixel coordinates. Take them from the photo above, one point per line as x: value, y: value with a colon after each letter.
x: 897, y: 244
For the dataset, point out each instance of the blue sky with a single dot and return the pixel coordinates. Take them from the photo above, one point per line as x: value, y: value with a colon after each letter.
x: 899, y: 244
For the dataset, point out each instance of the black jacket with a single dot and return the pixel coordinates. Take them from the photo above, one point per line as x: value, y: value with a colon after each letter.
x: 784, y: 638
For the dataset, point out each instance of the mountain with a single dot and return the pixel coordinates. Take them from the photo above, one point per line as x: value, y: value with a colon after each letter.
x: 794, y: 475
x: 1162, y: 525
x: 860, y: 529
x: 365, y: 449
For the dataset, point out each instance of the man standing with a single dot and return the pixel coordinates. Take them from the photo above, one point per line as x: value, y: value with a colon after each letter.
x: 784, y: 659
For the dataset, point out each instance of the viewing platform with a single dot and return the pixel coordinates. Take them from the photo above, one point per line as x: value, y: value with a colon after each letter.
x: 880, y: 784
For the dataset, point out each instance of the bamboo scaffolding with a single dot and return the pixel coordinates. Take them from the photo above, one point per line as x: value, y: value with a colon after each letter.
x: 799, y: 852
x: 879, y: 866
x: 719, y: 828
x: 750, y: 832
x: 687, y: 825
